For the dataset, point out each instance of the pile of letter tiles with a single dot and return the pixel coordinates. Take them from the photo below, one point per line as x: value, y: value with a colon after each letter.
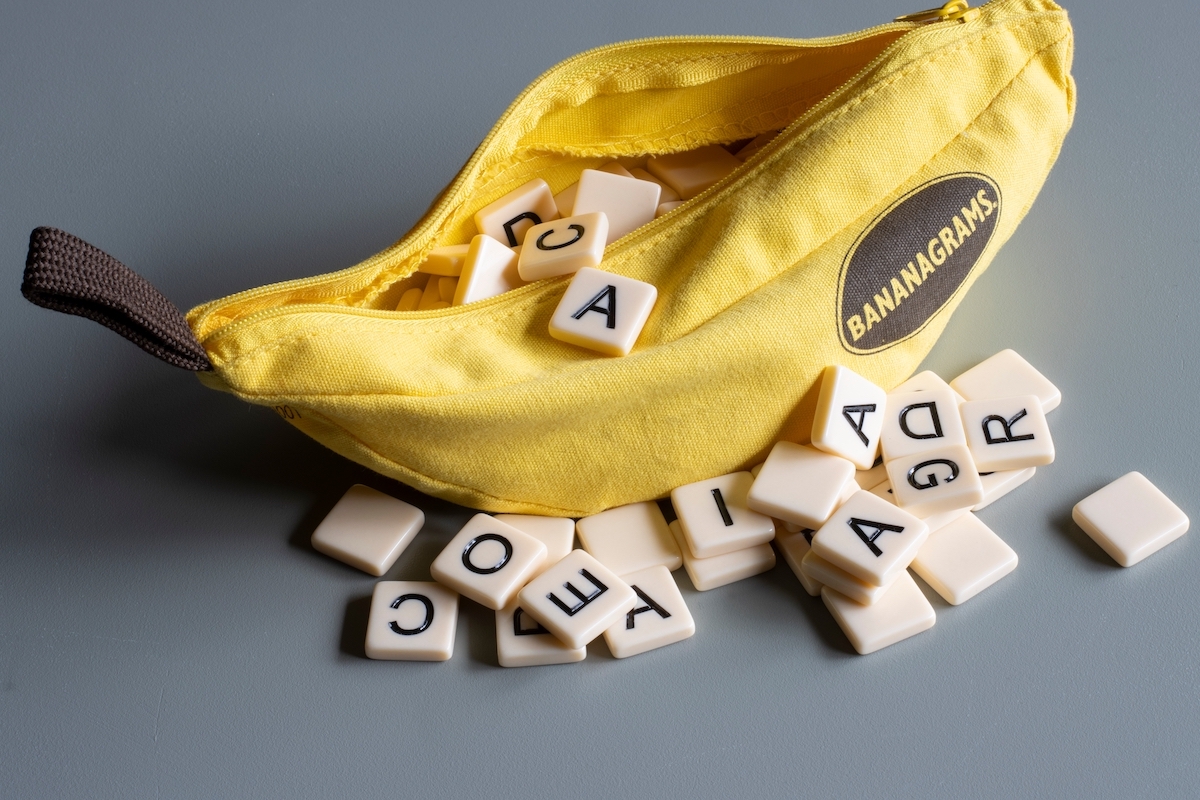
x: 888, y: 483
x: 530, y: 234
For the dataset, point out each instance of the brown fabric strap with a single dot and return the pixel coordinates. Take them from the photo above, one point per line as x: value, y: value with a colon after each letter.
x: 65, y: 273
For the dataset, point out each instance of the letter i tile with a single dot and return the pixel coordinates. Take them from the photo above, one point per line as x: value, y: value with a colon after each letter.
x: 901, y: 612
x: 659, y: 616
x: 577, y: 599
x: 712, y: 573
x: 521, y: 641
x: 488, y: 561
x: 411, y: 621
x: 715, y: 517
x: 603, y: 312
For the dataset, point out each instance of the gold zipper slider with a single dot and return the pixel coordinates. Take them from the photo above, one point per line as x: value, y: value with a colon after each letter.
x: 954, y: 11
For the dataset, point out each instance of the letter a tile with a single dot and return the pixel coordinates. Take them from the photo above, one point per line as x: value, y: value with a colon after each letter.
x: 849, y: 417
x: 870, y: 538
x: 488, y: 561
x: 577, y: 599
x: 659, y: 616
x: 602, y: 311
x: 411, y: 621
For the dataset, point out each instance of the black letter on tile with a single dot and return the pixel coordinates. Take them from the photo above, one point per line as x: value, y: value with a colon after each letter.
x: 650, y: 606
x: 487, y: 537
x: 541, y: 245
x: 862, y: 412
x: 610, y: 311
x: 728, y: 520
x: 933, y: 416
x: 519, y: 616
x: 583, y: 599
x: 1006, y: 425
x: 931, y: 479
x: 395, y: 626
x: 857, y: 525
x: 508, y: 226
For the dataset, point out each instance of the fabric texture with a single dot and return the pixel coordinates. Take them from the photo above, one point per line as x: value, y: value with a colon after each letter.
x: 479, y: 405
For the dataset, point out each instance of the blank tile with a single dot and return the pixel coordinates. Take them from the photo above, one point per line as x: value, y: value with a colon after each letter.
x: 849, y: 416
x: 509, y: 218
x: 715, y: 518
x: 614, y: 168
x: 557, y: 533
x: 935, y: 520
x: 577, y: 599
x: 410, y: 299
x: 920, y: 421
x: 963, y: 558
x: 1007, y: 433
x: 997, y: 484
x: 794, y: 547
x: 1004, y: 375
x: 411, y: 621
x: 627, y: 202
x: 870, y: 538
x: 1130, y: 518
x: 368, y: 529
x: 446, y: 260
x: 521, y: 641
x: 711, y: 573
x: 666, y: 193
x: 562, y: 246
x: 431, y: 296
x: 603, y: 311
x: 691, y: 172
x: 902, y: 612
x: 565, y: 200
x: 868, y: 479
x: 490, y: 269
x: 927, y: 381
x: 630, y: 538
x: 488, y: 561
x: 821, y: 572
x: 799, y: 484
x: 659, y: 616
x: 938, y: 480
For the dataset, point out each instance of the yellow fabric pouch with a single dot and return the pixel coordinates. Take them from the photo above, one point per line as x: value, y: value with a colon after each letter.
x: 909, y: 153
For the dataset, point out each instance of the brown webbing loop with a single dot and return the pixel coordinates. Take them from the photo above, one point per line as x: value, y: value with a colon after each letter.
x: 65, y: 273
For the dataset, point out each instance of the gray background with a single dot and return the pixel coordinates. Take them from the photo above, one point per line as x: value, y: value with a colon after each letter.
x: 166, y: 630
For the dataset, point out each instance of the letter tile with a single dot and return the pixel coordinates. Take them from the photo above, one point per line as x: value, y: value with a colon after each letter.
x: 410, y: 300
x: 667, y: 208
x: 431, y: 295
x: 613, y: 168
x: 577, y: 599
x: 565, y: 200
x: 446, y: 260
x: 799, y: 484
x: 508, y: 218
x: 368, y: 529
x: 936, y: 480
x: 820, y: 571
x: 603, y: 312
x: 935, y: 520
x: 870, y: 538
x: 557, y: 533
x: 997, y: 484
x: 630, y: 538
x: 868, y: 479
x: 794, y: 547
x: 411, y: 621
x: 924, y: 382
x: 627, y: 202
x: 902, y: 612
x: 920, y: 421
x: 488, y: 561
x: 691, y: 172
x: 1004, y: 375
x: 490, y: 269
x: 963, y: 558
x: 659, y: 616
x: 666, y: 193
x: 1130, y: 519
x: 522, y: 641
x: 715, y: 518
x: 849, y: 416
x: 711, y: 573
x: 562, y: 246
x: 1007, y: 433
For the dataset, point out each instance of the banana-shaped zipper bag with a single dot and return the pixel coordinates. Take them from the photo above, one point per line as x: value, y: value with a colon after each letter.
x: 907, y: 155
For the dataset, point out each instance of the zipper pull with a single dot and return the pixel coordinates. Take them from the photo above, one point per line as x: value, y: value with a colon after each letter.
x: 954, y: 11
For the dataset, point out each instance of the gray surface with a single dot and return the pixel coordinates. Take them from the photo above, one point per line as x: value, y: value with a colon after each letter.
x: 165, y: 629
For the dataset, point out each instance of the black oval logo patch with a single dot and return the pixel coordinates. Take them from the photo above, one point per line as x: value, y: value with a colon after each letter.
x: 912, y: 259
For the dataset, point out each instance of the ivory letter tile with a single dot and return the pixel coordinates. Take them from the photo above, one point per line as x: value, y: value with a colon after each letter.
x: 924, y: 382
x: 490, y: 269
x: 794, y: 547
x: 630, y: 538
x: 820, y: 571
x: 1130, y: 518
x: 521, y: 641
x: 603, y: 311
x: 565, y: 200
x: 902, y: 612
x: 431, y: 295
x: 488, y: 561
x: 411, y: 621
x: 997, y: 484
x: 1007, y: 433
x: 920, y: 421
x: 868, y: 479
x: 577, y: 599
x: 963, y: 558
x: 935, y: 520
x: 562, y: 246
x: 627, y: 202
x: 446, y: 260
x: 711, y: 573
x: 557, y: 533
x: 799, y: 484
x: 715, y: 518
x: 691, y: 172
x: 870, y: 538
x: 508, y: 218
x: 613, y: 168
x: 936, y: 480
x: 666, y: 193
x: 659, y: 616
x: 849, y: 416
x: 368, y: 529
x: 1004, y: 375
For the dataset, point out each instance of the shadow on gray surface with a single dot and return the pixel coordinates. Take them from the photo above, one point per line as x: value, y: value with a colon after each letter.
x: 1065, y: 526
x: 354, y: 627
x: 783, y: 583
x: 481, y: 631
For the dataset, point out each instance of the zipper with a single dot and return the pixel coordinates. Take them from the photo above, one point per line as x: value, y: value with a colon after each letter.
x: 954, y: 11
